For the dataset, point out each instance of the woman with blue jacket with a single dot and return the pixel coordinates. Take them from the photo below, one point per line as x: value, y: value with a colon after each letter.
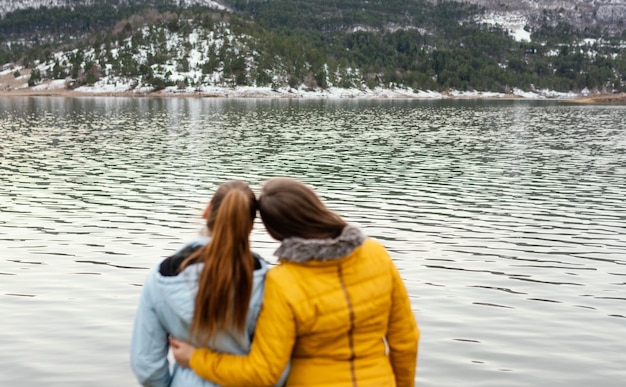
x: 209, y: 292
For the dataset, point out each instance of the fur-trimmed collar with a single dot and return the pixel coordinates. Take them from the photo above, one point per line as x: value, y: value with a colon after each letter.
x: 296, y: 249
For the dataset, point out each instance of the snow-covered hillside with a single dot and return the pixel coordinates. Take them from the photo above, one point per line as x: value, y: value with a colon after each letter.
x: 189, y: 52
x: 605, y: 14
x: 510, y: 14
x: 12, y: 5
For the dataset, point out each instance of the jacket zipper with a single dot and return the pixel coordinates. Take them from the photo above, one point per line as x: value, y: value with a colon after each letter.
x: 351, y: 331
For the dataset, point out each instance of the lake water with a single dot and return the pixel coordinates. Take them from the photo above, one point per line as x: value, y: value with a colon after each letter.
x: 507, y: 220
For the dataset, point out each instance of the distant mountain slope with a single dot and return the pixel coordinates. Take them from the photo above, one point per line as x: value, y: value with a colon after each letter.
x: 607, y: 15
x: 7, y: 6
x: 316, y: 44
x: 581, y: 14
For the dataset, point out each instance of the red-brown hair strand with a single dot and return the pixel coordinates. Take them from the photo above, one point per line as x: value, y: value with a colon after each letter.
x: 225, y: 283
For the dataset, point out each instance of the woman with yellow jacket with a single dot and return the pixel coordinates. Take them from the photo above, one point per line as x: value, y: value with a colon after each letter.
x: 335, y: 305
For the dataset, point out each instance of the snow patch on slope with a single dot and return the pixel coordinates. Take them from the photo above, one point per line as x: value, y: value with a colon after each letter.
x: 513, y: 23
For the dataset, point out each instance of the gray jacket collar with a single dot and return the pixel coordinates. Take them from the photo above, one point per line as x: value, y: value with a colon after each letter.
x: 300, y: 250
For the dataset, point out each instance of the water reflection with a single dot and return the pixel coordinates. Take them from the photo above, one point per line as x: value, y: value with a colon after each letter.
x: 506, y: 219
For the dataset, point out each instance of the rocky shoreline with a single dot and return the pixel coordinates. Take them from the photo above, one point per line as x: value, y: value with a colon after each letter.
x: 15, y: 87
x: 617, y: 99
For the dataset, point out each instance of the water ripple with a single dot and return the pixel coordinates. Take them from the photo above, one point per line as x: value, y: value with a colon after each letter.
x: 505, y: 218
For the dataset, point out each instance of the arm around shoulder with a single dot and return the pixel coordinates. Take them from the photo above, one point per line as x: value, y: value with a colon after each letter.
x: 271, y: 348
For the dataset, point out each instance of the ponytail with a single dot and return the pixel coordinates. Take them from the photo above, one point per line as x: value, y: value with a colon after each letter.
x: 225, y: 284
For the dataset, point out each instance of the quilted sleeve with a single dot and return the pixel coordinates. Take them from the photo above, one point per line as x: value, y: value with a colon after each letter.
x: 270, y: 352
x: 403, y: 334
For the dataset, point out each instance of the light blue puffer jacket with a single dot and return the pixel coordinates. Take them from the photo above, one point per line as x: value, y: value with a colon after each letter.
x: 166, y: 309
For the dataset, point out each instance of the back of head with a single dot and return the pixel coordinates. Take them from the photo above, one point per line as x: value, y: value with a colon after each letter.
x: 225, y: 284
x: 218, y: 198
x: 289, y: 208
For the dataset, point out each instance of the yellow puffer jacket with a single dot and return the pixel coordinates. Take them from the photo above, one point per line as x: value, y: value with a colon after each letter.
x: 338, y: 309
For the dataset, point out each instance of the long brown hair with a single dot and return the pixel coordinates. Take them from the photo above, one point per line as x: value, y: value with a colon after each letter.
x: 225, y: 283
x: 289, y: 208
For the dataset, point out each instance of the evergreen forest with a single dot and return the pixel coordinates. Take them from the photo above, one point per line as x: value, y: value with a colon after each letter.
x: 417, y: 44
